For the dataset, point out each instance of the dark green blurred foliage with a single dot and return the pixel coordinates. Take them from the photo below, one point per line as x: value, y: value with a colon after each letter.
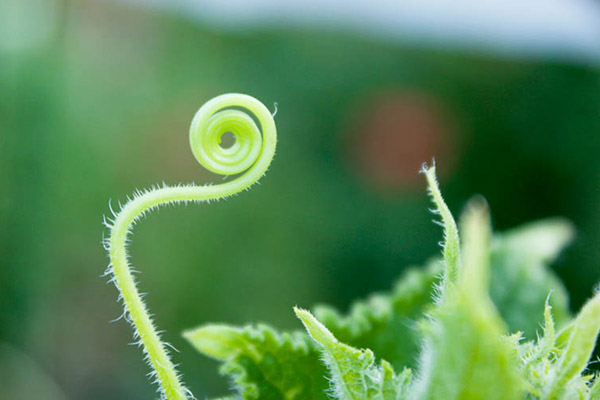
x: 103, y: 105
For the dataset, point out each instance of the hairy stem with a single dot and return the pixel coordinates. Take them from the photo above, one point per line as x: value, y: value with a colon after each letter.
x: 251, y: 155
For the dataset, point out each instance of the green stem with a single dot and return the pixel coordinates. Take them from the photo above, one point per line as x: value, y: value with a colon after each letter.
x: 250, y: 153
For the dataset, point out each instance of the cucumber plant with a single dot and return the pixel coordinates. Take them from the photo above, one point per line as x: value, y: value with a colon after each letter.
x: 486, y: 320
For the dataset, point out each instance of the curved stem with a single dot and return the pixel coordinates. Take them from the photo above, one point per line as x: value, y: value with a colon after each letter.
x: 211, y: 121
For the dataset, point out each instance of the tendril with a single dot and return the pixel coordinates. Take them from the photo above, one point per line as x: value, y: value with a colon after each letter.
x: 250, y: 156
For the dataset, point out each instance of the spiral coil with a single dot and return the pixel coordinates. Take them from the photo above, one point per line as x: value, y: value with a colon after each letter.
x: 217, y: 117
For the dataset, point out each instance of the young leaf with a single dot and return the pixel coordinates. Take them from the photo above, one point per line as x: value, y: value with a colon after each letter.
x: 263, y: 363
x: 536, y: 357
x: 521, y: 279
x: 353, y: 373
x: 451, y: 244
x: 576, y: 354
x: 465, y: 354
x: 386, y: 323
x: 553, y: 367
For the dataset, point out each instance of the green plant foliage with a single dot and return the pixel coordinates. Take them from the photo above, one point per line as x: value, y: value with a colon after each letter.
x: 464, y: 327
x: 520, y: 285
x: 465, y: 355
x: 386, y: 323
x: 354, y: 374
x: 263, y: 363
x: 520, y: 278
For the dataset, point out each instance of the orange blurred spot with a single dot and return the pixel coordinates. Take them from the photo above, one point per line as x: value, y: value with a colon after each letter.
x: 398, y: 133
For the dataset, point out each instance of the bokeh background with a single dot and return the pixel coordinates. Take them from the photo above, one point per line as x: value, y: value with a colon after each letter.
x: 95, y: 101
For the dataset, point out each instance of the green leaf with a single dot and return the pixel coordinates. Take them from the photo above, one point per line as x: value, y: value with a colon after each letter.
x: 263, y: 363
x: 387, y: 323
x: 554, y: 365
x: 353, y: 373
x: 521, y: 279
x: 536, y: 357
x: 575, y: 356
x: 451, y: 244
x: 466, y: 355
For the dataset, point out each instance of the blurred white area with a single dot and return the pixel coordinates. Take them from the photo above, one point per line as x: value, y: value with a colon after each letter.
x: 27, y: 24
x: 550, y: 29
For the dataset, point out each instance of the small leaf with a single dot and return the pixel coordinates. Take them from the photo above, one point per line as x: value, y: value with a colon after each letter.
x: 451, y: 245
x: 387, y: 323
x: 521, y: 279
x: 465, y: 355
x: 221, y: 342
x: 263, y: 363
x: 354, y: 375
x: 578, y: 349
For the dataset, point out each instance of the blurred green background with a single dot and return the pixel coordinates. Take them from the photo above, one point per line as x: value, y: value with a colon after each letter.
x: 95, y: 101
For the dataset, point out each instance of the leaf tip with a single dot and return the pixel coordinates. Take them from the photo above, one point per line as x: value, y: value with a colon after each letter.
x: 315, y: 329
x: 217, y: 341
